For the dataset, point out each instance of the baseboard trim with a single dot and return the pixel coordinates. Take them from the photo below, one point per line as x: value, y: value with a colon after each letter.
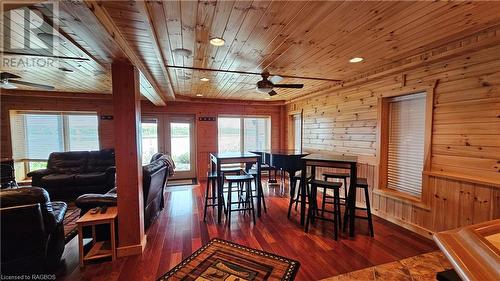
x: 131, y: 250
x: 410, y: 226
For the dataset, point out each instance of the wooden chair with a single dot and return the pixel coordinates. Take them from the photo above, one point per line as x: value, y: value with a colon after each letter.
x: 258, y: 185
x: 341, y: 176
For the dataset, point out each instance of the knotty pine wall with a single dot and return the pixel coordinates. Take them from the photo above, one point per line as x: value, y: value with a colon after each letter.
x: 462, y: 186
x: 206, y: 131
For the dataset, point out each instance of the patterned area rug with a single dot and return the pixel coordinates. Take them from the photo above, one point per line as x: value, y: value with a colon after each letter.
x: 69, y: 222
x: 224, y: 260
x: 422, y: 268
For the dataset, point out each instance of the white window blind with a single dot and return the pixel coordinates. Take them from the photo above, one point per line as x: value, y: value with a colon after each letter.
x: 43, y: 133
x: 406, y: 143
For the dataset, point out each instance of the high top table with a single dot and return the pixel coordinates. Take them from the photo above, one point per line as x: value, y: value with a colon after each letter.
x: 331, y: 161
x: 217, y: 159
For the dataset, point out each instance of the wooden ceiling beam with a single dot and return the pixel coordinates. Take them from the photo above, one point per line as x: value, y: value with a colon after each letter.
x: 144, y: 10
x: 95, y: 9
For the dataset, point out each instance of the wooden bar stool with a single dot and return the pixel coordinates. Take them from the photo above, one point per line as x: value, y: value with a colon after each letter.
x: 313, y: 204
x: 295, y: 197
x: 246, y: 199
x: 341, y: 176
x: 361, y: 183
x: 211, y: 193
x: 253, y: 172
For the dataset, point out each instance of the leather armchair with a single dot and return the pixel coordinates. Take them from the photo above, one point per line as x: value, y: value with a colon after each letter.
x: 154, y: 177
x: 32, y: 231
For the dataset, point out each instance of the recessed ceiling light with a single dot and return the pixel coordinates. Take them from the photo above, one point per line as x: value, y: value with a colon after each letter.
x: 199, y: 95
x: 356, y: 59
x: 50, y: 38
x: 204, y: 79
x: 217, y: 41
x: 268, y: 98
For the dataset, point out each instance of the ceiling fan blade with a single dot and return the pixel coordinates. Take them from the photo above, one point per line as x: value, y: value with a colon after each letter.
x: 272, y: 93
x: 7, y: 75
x: 41, y: 86
x: 275, y: 79
x: 7, y: 86
x: 292, y: 86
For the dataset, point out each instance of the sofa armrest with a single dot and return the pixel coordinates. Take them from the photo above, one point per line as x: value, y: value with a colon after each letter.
x: 37, y: 175
x: 89, y: 201
x: 40, y: 173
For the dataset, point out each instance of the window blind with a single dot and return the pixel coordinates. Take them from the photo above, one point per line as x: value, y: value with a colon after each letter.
x: 42, y: 133
x: 239, y: 134
x: 406, y: 143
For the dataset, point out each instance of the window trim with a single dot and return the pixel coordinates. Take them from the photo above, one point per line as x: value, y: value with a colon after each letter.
x: 382, y: 144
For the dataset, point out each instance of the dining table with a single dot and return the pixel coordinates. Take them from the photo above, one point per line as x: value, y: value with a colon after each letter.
x: 247, y: 158
x: 326, y: 160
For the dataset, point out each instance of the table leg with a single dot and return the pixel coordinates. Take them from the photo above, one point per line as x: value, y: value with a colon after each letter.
x: 352, y: 205
x: 259, y: 195
x: 80, y: 245
x: 220, y: 191
x: 113, y: 241
x: 303, y: 194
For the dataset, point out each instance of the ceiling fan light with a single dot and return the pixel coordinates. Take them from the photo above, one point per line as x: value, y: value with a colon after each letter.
x: 217, y: 41
x: 264, y: 90
x: 182, y: 52
x: 356, y: 59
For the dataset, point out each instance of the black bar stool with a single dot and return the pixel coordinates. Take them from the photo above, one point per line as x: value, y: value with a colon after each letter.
x: 253, y: 172
x: 341, y: 176
x: 295, y: 196
x: 211, y: 193
x: 246, y: 199
x: 313, y: 204
x: 361, y: 183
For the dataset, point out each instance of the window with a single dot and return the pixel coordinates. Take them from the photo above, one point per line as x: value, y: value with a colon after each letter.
x: 240, y: 134
x: 149, y: 130
x: 37, y: 134
x: 405, y: 143
x: 297, y: 132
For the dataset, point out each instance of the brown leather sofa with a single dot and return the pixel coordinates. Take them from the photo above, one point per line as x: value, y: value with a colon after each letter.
x: 154, y: 175
x: 32, y: 231
x: 70, y: 174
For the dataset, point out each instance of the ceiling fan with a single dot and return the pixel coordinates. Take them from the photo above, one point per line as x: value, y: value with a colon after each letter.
x: 267, y: 84
x: 6, y: 82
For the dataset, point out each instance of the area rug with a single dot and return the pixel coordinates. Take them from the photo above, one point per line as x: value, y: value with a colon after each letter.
x: 224, y: 260
x: 69, y: 222
x: 422, y: 268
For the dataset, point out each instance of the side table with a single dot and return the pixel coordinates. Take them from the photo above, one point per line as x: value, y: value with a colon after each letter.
x: 99, y: 249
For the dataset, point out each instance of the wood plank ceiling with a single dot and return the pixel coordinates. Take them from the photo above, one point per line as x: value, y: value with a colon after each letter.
x: 300, y: 38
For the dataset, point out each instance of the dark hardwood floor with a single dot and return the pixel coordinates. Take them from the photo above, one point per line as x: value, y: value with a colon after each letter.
x: 179, y: 230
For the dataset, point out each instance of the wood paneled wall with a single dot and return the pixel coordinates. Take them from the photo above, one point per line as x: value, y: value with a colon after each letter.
x: 206, y: 131
x: 462, y: 185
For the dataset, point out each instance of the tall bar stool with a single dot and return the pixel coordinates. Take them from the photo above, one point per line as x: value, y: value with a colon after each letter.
x: 360, y: 183
x: 297, y: 199
x: 334, y: 175
x: 313, y: 204
x: 253, y: 172
x: 246, y: 198
x: 211, y: 193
